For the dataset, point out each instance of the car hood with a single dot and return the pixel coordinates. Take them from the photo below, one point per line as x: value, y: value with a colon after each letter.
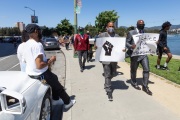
x: 15, y: 80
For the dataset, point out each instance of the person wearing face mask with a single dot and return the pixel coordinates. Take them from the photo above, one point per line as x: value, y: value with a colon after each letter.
x: 37, y: 66
x: 81, y: 47
x: 90, y: 52
x: 162, y: 45
x: 136, y: 60
x: 109, y: 67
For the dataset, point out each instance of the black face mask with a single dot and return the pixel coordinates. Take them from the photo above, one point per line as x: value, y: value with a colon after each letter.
x: 140, y: 26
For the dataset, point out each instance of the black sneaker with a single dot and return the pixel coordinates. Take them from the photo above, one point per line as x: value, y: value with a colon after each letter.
x: 110, y: 97
x: 165, y: 68
x: 146, y: 89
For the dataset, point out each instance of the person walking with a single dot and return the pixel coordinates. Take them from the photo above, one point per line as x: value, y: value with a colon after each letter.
x: 37, y: 65
x: 81, y: 46
x: 21, y: 49
x: 90, y: 52
x: 162, y: 45
x: 66, y: 41
x: 108, y: 67
x: 136, y: 60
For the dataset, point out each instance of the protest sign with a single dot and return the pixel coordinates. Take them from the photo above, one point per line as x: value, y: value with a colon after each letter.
x: 110, y: 49
x: 145, y: 44
x: 91, y: 41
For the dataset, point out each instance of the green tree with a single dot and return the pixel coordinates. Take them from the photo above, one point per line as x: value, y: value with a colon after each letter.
x: 9, y: 31
x: 65, y: 27
x: 92, y: 30
x: 15, y: 31
x: 103, y: 18
x: 152, y: 30
x: 121, y: 31
x: 46, y: 31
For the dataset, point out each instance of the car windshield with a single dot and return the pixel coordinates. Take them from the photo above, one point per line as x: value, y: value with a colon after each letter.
x: 50, y: 40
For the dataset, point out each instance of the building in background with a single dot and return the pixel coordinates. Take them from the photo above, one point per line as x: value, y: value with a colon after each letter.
x: 116, y: 24
x: 20, y: 25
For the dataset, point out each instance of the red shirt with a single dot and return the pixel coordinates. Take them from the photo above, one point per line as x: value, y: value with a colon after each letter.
x: 81, y: 42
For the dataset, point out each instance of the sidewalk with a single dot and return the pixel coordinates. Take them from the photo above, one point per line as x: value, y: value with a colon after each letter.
x: 127, y: 104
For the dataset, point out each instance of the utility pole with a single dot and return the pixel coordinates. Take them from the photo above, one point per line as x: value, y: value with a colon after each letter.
x: 32, y: 10
x: 75, y: 17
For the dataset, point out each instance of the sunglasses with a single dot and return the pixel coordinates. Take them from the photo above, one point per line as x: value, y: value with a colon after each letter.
x: 141, y: 24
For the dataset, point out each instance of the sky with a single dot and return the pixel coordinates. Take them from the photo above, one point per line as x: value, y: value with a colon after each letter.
x: 51, y: 12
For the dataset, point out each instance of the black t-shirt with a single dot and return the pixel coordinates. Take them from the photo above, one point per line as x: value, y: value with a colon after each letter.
x: 163, y: 38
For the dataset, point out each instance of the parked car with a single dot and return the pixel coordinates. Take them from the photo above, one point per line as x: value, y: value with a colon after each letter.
x: 50, y: 43
x: 24, y: 98
x: 8, y: 39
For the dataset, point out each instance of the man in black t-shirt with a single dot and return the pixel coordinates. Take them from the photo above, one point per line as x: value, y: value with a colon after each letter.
x: 162, y: 45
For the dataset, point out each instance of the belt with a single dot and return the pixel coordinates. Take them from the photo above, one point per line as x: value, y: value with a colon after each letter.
x: 39, y: 77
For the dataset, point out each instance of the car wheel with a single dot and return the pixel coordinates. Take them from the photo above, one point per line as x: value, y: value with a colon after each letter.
x: 46, y: 108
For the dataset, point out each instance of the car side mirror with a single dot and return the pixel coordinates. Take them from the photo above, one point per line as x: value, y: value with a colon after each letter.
x: 12, y: 102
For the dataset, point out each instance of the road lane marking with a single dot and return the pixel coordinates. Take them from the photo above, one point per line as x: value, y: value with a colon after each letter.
x: 5, y: 58
x: 13, y: 67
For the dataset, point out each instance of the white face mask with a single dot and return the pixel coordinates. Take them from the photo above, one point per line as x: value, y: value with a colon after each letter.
x: 110, y: 30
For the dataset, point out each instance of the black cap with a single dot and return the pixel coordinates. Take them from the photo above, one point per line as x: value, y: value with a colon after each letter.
x: 81, y: 28
x: 30, y: 28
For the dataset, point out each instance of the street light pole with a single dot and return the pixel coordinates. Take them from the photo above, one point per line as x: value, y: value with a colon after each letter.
x: 75, y: 17
x: 30, y: 9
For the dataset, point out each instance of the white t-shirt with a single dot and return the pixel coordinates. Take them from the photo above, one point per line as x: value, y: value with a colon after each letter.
x: 20, y: 51
x: 31, y: 52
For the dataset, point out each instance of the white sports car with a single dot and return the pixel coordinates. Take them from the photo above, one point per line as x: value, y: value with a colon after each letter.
x: 23, y: 98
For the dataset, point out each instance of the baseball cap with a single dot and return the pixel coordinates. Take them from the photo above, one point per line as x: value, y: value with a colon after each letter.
x: 30, y: 28
x: 81, y: 28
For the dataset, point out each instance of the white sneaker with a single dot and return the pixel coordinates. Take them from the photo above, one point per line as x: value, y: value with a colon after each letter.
x: 68, y: 106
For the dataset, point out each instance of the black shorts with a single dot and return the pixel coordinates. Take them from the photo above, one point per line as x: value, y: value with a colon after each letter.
x: 161, y: 50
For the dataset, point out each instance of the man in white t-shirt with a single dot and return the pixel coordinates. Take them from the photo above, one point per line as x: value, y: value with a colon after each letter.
x: 21, y: 49
x: 37, y: 65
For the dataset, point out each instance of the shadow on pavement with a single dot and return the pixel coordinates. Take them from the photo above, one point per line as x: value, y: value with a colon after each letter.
x: 118, y: 84
x: 139, y: 81
x: 89, y: 66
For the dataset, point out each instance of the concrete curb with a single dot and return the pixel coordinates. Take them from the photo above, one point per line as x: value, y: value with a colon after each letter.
x: 67, y: 83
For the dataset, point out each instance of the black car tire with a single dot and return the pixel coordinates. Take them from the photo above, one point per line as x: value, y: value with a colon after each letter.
x: 46, y: 98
